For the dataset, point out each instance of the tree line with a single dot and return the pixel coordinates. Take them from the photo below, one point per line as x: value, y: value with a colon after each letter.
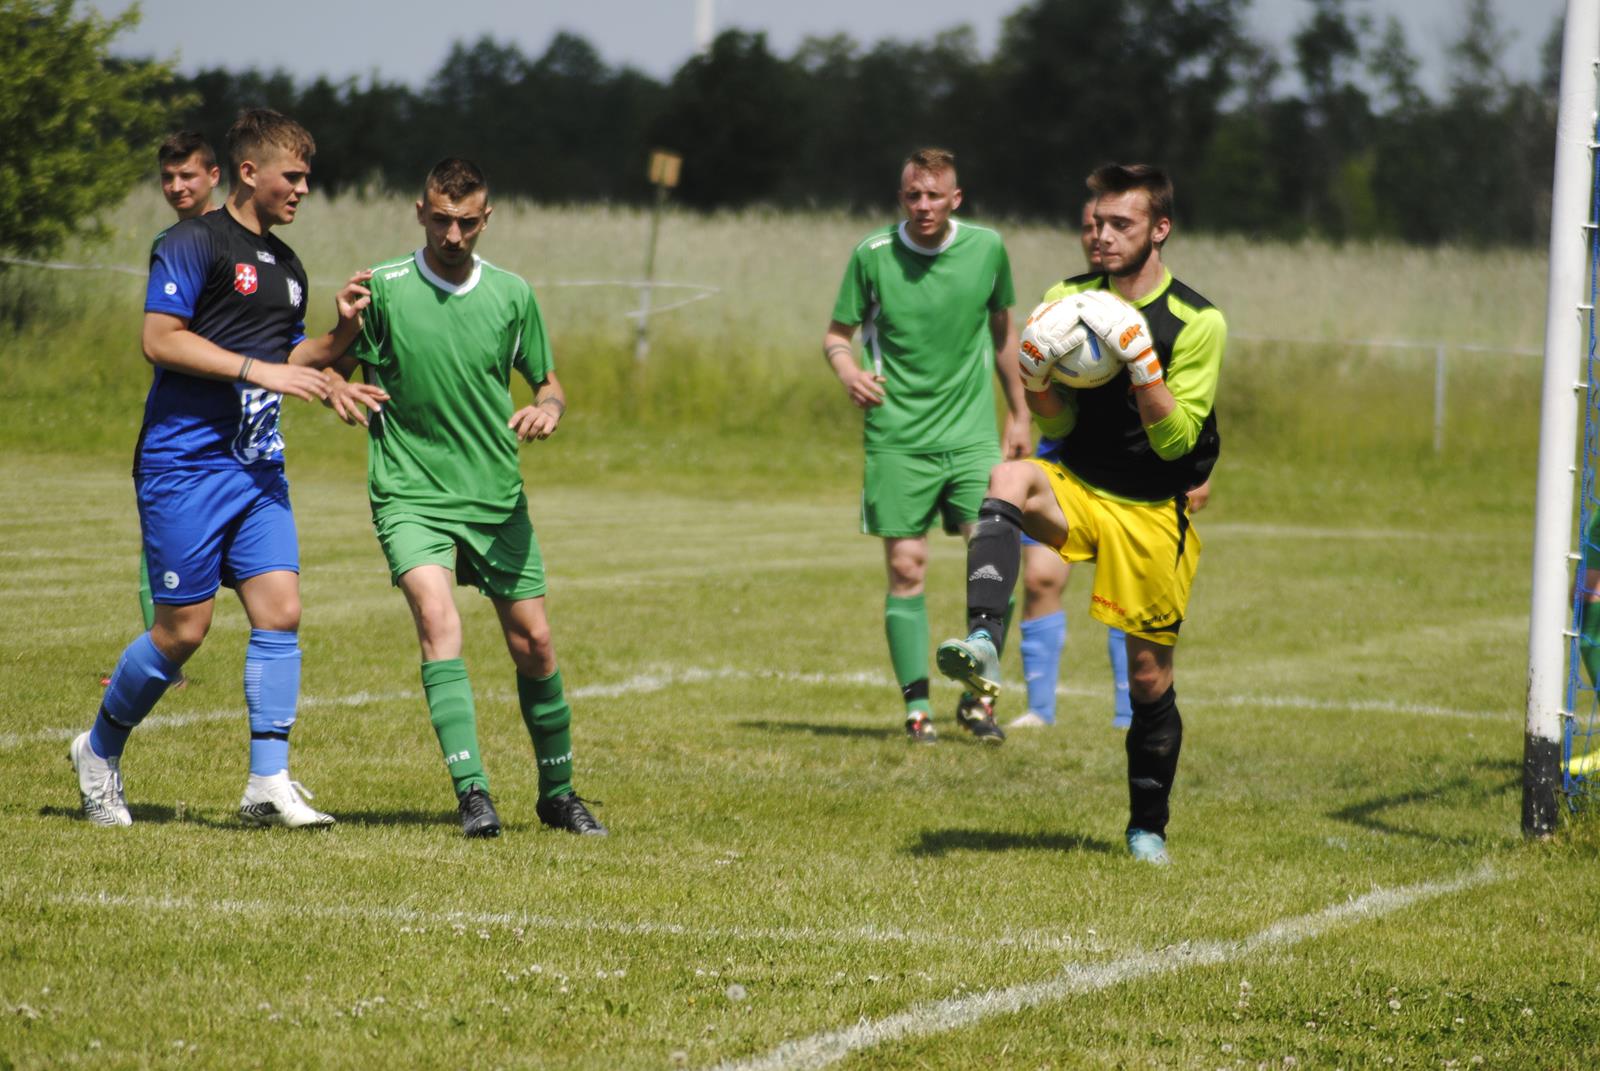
x: 1335, y: 138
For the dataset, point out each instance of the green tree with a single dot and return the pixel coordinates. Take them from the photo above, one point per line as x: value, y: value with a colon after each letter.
x: 734, y: 115
x: 77, y: 129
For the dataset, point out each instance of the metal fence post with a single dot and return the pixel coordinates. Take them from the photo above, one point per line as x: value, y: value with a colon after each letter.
x: 1438, y: 398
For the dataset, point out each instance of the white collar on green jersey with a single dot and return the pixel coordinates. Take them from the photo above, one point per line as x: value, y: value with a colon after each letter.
x: 911, y: 243
x: 444, y: 284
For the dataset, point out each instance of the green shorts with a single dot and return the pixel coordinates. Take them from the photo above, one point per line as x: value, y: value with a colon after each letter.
x: 901, y: 493
x: 501, y: 560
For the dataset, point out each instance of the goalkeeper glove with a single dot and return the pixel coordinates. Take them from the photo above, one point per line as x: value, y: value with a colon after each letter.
x: 1125, y: 333
x: 1052, y: 331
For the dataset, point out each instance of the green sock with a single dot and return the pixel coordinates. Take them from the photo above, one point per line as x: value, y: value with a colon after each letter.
x: 905, y: 622
x: 455, y: 721
x: 549, y: 721
x: 147, y: 605
x: 1589, y: 640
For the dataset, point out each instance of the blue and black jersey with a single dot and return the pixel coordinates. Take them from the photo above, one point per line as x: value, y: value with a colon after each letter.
x: 244, y: 292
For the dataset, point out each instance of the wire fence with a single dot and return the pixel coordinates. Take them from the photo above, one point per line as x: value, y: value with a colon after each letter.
x: 691, y: 293
x: 646, y: 309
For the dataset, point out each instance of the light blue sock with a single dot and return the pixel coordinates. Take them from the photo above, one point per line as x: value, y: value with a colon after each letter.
x: 272, y: 692
x: 142, y: 675
x: 1042, y: 641
x: 1117, y: 649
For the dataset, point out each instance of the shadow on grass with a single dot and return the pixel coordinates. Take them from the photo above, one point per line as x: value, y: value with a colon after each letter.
x: 141, y: 812
x: 1465, y: 789
x: 441, y: 817
x: 859, y: 732
x: 158, y: 815
x: 938, y: 842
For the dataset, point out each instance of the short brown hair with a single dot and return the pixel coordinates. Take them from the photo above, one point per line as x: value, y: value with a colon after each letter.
x: 182, y: 144
x: 931, y: 160
x: 455, y: 178
x: 261, y: 128
x: 1120, y: 178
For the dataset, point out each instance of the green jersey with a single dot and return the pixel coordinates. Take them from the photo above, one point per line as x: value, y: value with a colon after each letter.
x: 442, y: 446
x: 925, y: 325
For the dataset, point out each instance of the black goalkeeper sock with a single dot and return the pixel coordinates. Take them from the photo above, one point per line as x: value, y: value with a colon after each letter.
x: 1154, y: 740
x: 994, y: 558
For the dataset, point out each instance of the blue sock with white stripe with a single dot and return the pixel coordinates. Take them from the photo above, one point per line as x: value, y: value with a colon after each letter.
x: 272, y: 692
x: 1042, y: 641
x: 142, y: 675
x: 1117, y: 649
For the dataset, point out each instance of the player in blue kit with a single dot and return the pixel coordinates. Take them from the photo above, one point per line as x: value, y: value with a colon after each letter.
x: 224, y: 327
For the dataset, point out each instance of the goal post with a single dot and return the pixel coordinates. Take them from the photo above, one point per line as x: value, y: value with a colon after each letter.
x: 1568, y: 319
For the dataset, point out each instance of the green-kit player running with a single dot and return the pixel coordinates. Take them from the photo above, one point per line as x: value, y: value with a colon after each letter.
x: 933, y: 299
x: 441, y: 338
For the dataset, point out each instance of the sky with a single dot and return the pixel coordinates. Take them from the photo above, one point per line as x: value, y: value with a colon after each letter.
x: 405, y: 40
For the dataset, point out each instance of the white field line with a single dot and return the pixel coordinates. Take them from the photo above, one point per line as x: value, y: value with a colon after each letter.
x: 940, y: 1017
x: 1031, y: 940
x: 661, y: 680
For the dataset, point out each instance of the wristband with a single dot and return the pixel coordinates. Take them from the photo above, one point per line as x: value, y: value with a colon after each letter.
x: 1145, y: 370
x: 244, y: 369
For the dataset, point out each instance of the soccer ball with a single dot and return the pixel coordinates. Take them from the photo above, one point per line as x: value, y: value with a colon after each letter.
x: 1055, y: 327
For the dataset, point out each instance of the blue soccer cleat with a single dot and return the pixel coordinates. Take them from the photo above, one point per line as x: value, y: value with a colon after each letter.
x: 1148, y: 847
x: 972, y: 662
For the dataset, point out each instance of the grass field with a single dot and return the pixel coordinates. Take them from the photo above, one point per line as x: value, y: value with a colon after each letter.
x: 788, y: 884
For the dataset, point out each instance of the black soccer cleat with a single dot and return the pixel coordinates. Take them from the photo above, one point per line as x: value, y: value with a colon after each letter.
x: 568, y: 812
x: 975, y: 714
x: 477, y: 814
x: 920, y: 730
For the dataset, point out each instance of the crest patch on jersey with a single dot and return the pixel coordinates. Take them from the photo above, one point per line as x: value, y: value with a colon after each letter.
x: 294, y: 293
x: 244, y: 278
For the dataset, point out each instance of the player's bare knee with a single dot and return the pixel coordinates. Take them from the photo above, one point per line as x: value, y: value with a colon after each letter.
x: 908, y: 568
x: 179, y: 631
x: 533, y: 651
x: 1010, y: 481
x: 1042, y: 585
x: 1147, y: 683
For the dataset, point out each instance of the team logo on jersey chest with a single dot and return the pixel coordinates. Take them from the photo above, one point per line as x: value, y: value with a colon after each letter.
x: 294, y: 294
x: 244, y: 278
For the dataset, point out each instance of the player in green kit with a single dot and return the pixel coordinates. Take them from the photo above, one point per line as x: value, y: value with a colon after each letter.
x: 932, y: 296
x: 441, y: 338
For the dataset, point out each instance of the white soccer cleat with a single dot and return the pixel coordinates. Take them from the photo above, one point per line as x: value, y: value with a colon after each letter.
x: 276, y: 801
x: 1030, y: 720
x: 99, y: 784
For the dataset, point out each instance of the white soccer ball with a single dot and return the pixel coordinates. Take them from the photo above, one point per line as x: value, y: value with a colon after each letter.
x: 1055, y: 327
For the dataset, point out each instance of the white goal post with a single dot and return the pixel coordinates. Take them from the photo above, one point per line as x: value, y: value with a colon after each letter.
x: 1572, y: 231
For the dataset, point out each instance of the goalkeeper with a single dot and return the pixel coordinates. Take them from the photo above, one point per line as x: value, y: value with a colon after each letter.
x: 1114, y: 491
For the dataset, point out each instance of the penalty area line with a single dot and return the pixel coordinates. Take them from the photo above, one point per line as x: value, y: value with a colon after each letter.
x: 941, y: 1017
x: 656, y: 680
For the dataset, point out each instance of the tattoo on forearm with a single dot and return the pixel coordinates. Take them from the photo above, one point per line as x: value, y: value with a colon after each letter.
x: 560, y: 406
x: 833, y: 348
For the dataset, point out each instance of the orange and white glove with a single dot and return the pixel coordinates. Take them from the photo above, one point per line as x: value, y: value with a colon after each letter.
x: 1125, y: 333
x: 1053, y: 330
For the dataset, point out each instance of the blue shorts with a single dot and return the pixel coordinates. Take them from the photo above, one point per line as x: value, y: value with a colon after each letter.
x: 204, y: 528
x: 1046, y: 448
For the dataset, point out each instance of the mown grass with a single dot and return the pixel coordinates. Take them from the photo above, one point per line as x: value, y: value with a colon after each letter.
x: 782, y: 864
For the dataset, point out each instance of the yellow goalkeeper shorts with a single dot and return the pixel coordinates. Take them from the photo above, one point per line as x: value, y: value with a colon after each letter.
x: 1145, y: 556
